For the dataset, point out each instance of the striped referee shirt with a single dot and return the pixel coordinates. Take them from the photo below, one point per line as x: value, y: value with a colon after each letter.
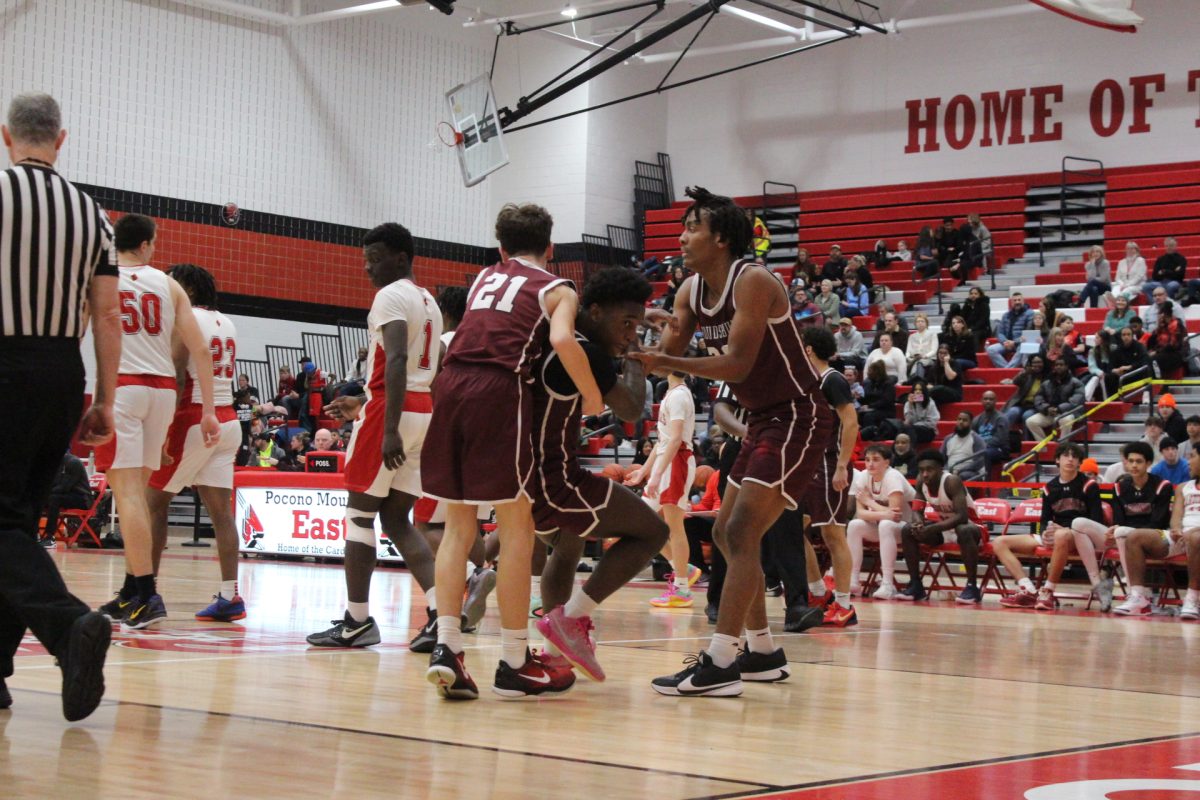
x: 725, y: 395
x: 53, y: 240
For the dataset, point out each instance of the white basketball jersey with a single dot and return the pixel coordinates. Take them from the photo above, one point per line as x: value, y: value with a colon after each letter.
x: 404, y: 301
x: 147, y: 321
x: 221, y: 336
x: 940, y: 501
x: 677, y: 403
x: 1191, y: 505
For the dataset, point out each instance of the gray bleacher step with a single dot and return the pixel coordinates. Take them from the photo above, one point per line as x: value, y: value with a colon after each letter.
x: 1056, y: 191
x: 1058, y: 240
x: 1053, y: 221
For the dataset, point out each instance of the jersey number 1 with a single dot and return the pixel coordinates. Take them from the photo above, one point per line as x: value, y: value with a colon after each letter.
x: 486, y: 296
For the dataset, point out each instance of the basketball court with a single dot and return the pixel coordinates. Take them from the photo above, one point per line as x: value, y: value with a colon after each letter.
x: 927, y: 701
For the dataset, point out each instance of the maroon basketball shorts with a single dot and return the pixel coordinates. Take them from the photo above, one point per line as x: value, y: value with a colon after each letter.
x: 824, y: 504
x: 784, y: 448
x: 478, y: 447
x: 569, y: 502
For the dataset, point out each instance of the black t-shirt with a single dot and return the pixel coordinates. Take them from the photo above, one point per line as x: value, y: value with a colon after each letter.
x: 601, y: 363
x: 836, y: 389
x: 1062, y: 503
x: 1148, y: 507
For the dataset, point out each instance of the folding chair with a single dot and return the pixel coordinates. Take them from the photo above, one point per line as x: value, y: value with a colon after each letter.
x: 991, y: 512
x: 84, y: 516
x: 1027, y: 512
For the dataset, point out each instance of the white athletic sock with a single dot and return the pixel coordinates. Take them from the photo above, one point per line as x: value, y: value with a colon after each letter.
x: 358, y: 611
x: 723, y: 649
x: 450, y: 632
x: 580, y: 605
x: 431, y: 599
x: 1193, y: 596
x: 681, y: 586
x: 760, y: 641
x: 229, y: 589
x: 1050, y: 586
x: 513, y: 644
x: 1027, y: 585
x: 535, y: 588
x: 842, y: 599
x: 816, y: 588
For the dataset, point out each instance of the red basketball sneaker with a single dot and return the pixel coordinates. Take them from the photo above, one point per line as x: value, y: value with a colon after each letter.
x: 533, y: 678
x: 572, y: 636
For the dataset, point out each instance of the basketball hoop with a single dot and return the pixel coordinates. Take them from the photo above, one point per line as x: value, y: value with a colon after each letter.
x: 448, y: 135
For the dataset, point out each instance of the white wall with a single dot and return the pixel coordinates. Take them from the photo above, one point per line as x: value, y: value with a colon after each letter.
x: 836, y: 117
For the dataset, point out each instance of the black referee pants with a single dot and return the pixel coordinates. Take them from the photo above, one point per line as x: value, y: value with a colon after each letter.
x: 41, y: 395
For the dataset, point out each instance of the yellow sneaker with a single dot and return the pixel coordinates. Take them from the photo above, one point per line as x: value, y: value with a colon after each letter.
x: 672, y: 598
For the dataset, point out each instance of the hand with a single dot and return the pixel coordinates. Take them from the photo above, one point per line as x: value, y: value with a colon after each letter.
x: 97, y: 425
x: 917, y: 526
x: 393, y: 450
x: 1175, y: 535
x: 840, y: 478
x: 895, y: 515
x: 658, y: 319
x: 343, y: 409
x: 210, y: 429
x: 1110, y: 537
x: 649, y: 360
x: 593, y: 407
x: 651, y: 489
x: 634, y: 476
x: 165, y: 459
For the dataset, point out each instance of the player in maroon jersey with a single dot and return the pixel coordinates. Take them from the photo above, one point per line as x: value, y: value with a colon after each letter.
x: 479, y: 449
x: 743, y: 312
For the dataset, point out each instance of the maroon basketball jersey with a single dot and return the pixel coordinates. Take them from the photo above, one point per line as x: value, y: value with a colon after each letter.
x: 782, y: 371
x: 506, y: 325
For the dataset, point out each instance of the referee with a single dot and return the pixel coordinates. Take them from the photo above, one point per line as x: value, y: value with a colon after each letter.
x: 57, y: 266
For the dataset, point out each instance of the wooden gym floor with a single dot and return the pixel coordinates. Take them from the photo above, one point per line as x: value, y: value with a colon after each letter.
x: 927, y: 701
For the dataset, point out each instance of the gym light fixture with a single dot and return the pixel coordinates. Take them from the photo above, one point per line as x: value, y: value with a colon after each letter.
x: 569, y: 11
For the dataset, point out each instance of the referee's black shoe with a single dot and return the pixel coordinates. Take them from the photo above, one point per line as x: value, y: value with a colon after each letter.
x: 82, y: 662
x: 5, y: 697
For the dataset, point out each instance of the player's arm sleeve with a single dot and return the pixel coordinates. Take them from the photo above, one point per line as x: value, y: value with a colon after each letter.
x: 1118, y: 506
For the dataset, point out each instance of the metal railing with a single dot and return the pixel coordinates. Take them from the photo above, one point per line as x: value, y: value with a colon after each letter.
x: 1070, y: 197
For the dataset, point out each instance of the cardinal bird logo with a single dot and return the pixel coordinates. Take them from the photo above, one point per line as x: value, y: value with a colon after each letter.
x: 252, y: 529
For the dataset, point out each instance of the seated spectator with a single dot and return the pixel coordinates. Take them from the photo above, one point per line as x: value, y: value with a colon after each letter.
x: 1192, y: 442
x: 961, y: 343
x: 922, y: 347
x: 925, y: 264
x: 1040, y: 323
x: 1140, y: 500
x: 804, y: 309
x: 1181, y: 537
x: 286, y: 389
x: 1140, y: 333
x: 324, y: 440
x: 1090, y: 469
x: 968, y: 255
x: 1128, y: 355
x: 805, y: 269
x: 901, y: 253
x: 1007, y: 351
x: 697, y: 527
x: 1101, y: 380
x: 947, y: 244
x: 976, y: 312
x: 678, y: 275
x: 1168, y: 270
x: 858, y: 266
x: 947, y: 495
x: 642, y: 451
x: 856, y: 388
x: 992, y: 426
x: 1071, y: 336
x: 1058, y: 395
x: 965, y: 451
x: 904, y: 457
x: 1155, y: 431
x: 1173, y: 422
x: 1020, y: 405
x: 945, y: 382
x: 653, y: 269
x: 293, y: 457
x: 835, y: 267
x: 243, y: 385
x: 266, y: 453
x: 1131, y: 274
x: 890, y: 322
x: 1170, y: 467
x: 856, y: 298
x: 920, y: 414
x: 1119, y: 316
x: 882, y: 504
x: 891, y: 357
x: 1168, y: 347
x: 1067, y: 497
x: 983, y: 241
x: 829, y: 303
x: 1098, y: 277
x: 851, y: 348
x: 1055, y: 349
x: 877, y: 415
x: 1157, y: 299
x: 71, y: 489
x: 882, y: 257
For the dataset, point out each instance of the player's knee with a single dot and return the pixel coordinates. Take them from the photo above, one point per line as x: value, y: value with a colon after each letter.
x: 361, y: 530
x: 1000, y: 544
x: 1123, y: 532
x: 1192, y: 538
x: 968, y: 534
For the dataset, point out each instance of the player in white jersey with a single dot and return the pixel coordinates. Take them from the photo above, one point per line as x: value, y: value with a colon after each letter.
x: 188, y: 461
x: 154, y: 310
x: 1183, y: 539
x: 883, y: 504
x: 384, y: 458
x: 955, y: 524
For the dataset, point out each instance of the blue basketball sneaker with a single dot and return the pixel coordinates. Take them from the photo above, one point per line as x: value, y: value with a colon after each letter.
x: 222, y: 610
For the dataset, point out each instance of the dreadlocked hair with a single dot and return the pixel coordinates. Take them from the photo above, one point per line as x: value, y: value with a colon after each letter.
x: 725, y: 218
x: 197, y: 282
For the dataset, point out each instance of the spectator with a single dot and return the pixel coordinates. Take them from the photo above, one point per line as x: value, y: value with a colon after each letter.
x: 965, y: 450
x: 266, y: 453
x: 876, y: 417
x: 858, y: 266
x: 1099, y: 277
x: 293, y: 457
x: 882, y: 504
x: 1040, y: 322
x: 976, y: 312
x: 71, y: 489
x: 1118, y: 317
x: 1071, y: 336
x: 1168, y: 348
x: 891, y: 323
x: 325, y: 441
x: 653, y: 269
x: 983, y: 240
x: 1192, y: 442
x: 1171, y: 467
x: 1139, y: 332
x: 244, y: 405
x: 1173, y: 422
x: 962, y: 344
x: 904, y: 457
x: 827, y: 301
x: 947, y: 244
x: 1168, y: 272
x: 1055, y: 349
x: 309, y: 380
x: 804, y: 310
x: 968, y: 255
x: 891, y: 357
x: 1007, y: 351
x: 804, y: 269
x: 1020, y: 405
x: 920, y: 415
x: 761, y: 241
x: 922, y: 347
x: 642, y: 452
x: 1131, y: 274
x: 1058, y: 395
x: 678, y: 275
x: 902, y: 253
x: 851, y: 348
x: 1156, y: 429
x: 882, y: 257
x: 926, y: 264
x: 856, y: 298
x: 945, y: 382
x: 856, y: 388
x: 286, y: 389
x: 835, y: 267
x: 992, y: 426
x: 1157, y: 298
x: 243, y: 385
x: 1101, y: 382
x: 1090, y: 469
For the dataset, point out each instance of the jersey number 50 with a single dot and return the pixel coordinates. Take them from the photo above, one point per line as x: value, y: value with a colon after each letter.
x: 142, y: 313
